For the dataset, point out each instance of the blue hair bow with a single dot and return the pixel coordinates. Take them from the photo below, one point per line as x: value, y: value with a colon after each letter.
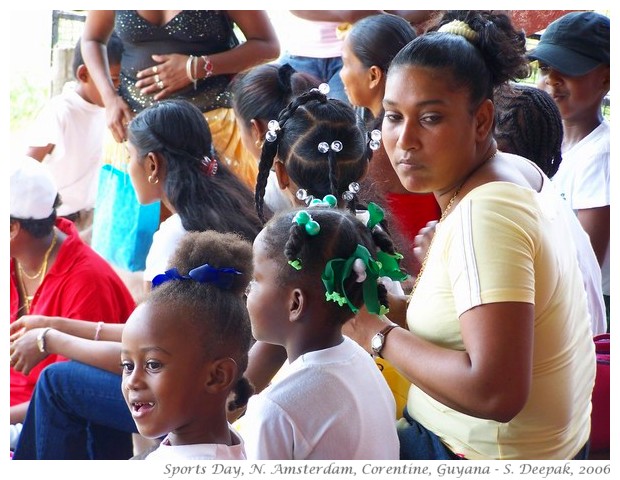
x: 221, y: 277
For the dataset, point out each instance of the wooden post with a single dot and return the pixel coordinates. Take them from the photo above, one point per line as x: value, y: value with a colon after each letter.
x: 62, y: 69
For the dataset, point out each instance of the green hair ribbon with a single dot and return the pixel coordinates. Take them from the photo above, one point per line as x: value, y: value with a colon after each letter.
x: 375, y: 215
x: 338, y: 270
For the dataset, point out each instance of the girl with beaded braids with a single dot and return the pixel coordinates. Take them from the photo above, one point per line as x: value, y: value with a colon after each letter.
x: 173, y: 160
x: 185, y: 348
x: 498, y: 347
x: 313, y: 270
x: 259, y: 95
x: 317, y: 146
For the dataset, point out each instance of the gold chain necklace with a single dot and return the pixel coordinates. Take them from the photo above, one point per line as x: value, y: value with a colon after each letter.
x: 443, y: 216
x: 43, y: 265
x: 26, y: 299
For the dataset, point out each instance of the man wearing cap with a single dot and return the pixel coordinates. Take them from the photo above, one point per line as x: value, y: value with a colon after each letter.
x: 573, y: 56
x: 53, y: 273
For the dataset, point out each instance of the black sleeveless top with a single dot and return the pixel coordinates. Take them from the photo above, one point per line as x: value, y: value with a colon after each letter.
x: 191, y: 32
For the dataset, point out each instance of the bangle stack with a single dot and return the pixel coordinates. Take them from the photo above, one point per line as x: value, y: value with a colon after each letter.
x: 191, y: 69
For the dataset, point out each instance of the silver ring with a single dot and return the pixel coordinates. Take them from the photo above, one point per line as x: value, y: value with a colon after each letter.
x: 156, y: 78
x: 155, y: 69
x: 160, y: 85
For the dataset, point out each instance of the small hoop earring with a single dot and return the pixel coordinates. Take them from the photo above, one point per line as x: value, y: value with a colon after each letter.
x: 259, y: 143
x: 153, y: 182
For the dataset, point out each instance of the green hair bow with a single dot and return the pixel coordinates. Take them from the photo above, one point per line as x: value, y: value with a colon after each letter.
x: 338, y: 270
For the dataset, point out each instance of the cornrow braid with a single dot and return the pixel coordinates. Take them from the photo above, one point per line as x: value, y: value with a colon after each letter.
x: 529, y: 124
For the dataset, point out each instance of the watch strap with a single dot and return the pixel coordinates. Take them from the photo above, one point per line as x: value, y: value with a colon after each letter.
x: 384, y: 333
x: 41, y: 340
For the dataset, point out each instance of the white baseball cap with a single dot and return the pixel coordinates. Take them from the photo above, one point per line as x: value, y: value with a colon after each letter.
x: 33, y: 189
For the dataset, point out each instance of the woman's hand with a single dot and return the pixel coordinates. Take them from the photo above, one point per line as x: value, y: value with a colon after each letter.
x: 167, y: 76
x: 27, y: 322
x: 423, y: 239
x: 25, y: 354
x: 118, y: 115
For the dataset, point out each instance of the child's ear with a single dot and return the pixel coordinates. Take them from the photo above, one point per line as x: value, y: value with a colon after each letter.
x: 375, y: 75
x: 82, y: 73
x: 258, y: 130
x: 296, y: 304
x: 221, y: 375
x: 282, y: 175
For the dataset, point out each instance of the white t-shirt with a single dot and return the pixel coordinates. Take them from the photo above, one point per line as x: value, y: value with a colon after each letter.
x: 328, y: 404
x: 588, y: 264
x: 202, y: 451
x: 76, y: 128
x: 165, y: 242
x: 583, y: 178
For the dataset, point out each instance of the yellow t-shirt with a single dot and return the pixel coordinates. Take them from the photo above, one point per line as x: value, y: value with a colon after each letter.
x: 506, y: 243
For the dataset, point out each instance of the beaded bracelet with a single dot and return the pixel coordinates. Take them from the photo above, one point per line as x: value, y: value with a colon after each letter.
x: 208, y: 68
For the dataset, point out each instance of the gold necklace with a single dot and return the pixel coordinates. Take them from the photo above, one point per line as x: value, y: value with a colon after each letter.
x: 444, y: 214
x: 26, y: 299
x: 43, y: 265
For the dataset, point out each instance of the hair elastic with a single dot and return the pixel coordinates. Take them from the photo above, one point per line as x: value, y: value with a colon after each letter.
x: 457, y: 27
x: 349, y: 195
x: 209, y: 165
x: 374, y: 139
x: 272, y: 131
x: 221, y: 277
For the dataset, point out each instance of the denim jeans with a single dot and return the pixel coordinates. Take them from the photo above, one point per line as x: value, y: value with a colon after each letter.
x: 327, y: 70
x: 77, y: 412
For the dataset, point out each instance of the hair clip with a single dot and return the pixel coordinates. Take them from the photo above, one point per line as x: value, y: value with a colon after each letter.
x: 349, y: 195
x: 221, y: 277
x: 209, y: 165
x: 304, y: 219
x: 374, y: 141
x: 296, y: 264
x: 328, y: 201
x: 302, y: 194
x: 323, y: 88
x: 325, y: 147
x: 457, y: 27
x: 272, y: 128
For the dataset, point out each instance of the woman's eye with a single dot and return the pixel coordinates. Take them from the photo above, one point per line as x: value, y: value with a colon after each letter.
x: 392, y: 117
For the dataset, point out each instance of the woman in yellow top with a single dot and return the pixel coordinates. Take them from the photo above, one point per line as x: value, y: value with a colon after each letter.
x: 498, y: 347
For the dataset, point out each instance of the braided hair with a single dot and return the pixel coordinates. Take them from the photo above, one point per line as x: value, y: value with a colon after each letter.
x: 528, y: 123
x: 179, y: 132
x: 340, y: 234
x: 310, y: 119
x: 217, y: 316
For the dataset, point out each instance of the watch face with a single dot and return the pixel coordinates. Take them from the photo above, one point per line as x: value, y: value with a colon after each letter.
x: 377, y: 342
